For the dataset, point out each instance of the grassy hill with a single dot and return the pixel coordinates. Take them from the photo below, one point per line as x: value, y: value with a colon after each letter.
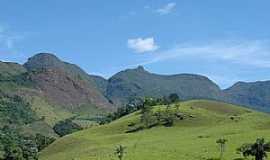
x: 193, y: 138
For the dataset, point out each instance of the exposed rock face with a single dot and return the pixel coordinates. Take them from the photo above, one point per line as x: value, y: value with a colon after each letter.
x: 63, y: 83
x: 62, y: 89
x: 67, y: 85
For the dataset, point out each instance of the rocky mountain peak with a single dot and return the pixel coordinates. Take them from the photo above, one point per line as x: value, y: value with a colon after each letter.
x: 43, y: 61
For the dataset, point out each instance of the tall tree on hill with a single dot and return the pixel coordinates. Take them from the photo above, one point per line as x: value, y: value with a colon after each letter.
x: 174, y: 98
x: 120, y: 152
x: 259, y: 149
x: 222, y: 144
x: 146, y: 116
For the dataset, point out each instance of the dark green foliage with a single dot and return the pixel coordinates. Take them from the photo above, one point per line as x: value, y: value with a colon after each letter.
x: 43, y: 141
x: 245, y: 150
x: 168, y: 117
x: 14, y: 110
x: 133, y: 106
x: 13, y: 152
x: 66, y: 127
x: 21, y: 147
x: 147, y: 117
x: 16, y: 146
x: 135, y: 128
x: 29, y: 148
x: 259, y: 149
x: 174, y: 98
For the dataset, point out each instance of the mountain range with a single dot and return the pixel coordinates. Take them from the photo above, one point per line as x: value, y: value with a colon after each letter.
x: 55, y: 90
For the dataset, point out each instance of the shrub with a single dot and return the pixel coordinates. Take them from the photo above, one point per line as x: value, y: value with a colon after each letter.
x: 66, y: 127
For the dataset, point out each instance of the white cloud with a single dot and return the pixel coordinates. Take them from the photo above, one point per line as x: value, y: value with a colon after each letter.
x: 254, y: 53
x: 168, y: 8
x: 8, y: 39
x: 141, y: 45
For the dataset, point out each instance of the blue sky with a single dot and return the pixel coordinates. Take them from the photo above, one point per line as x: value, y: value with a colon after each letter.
x: 226, y: 40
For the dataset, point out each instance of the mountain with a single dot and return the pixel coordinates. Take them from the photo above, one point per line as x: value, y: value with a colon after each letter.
x: 45, y: 61
x: 253, y: 94
x: 56, y: 90
x: 63, y: 83
x: 15, y: 110
x: 45, y: 90
x: 138, y: 82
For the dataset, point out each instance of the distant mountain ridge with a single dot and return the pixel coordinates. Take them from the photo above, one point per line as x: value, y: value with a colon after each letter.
x: 252, y: 94
x: 138, y: 82
x: 67, y: 85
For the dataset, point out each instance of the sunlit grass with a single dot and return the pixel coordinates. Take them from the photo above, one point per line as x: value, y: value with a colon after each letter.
x: 190, y: 139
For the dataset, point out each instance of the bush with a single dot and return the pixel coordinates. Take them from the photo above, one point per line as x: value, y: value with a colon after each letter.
x: 43, y: 141
x: 66, y: 127
x: 174, y: 98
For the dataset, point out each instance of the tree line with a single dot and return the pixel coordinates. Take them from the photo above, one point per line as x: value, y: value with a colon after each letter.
x: 16, y: 146
x: 137, y: 104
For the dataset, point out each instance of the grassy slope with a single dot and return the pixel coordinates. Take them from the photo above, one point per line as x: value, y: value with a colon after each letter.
x: 190, y: 139
x: 51, y: 114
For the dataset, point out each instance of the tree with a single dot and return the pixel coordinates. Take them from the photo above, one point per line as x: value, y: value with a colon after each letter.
x: 149, y: 101
x: 43, y: 141
x: 177, y: 107
x: 29, y: 148
x: 174, y: 98
x: 245, y: 150
x: 168, y: 117
x: 13, y: 152
x: 120, y: 152
x: 66, y: 127
x: 158, y: 115
x: 222, y: 144
x: 259, y: 149
x: 20, y: 147
x: 147, y: 117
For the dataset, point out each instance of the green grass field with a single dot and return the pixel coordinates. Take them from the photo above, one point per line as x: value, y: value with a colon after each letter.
x: 193, y: 138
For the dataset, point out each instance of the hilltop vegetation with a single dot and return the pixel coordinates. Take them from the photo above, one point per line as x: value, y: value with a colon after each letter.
x: 194, y: 137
